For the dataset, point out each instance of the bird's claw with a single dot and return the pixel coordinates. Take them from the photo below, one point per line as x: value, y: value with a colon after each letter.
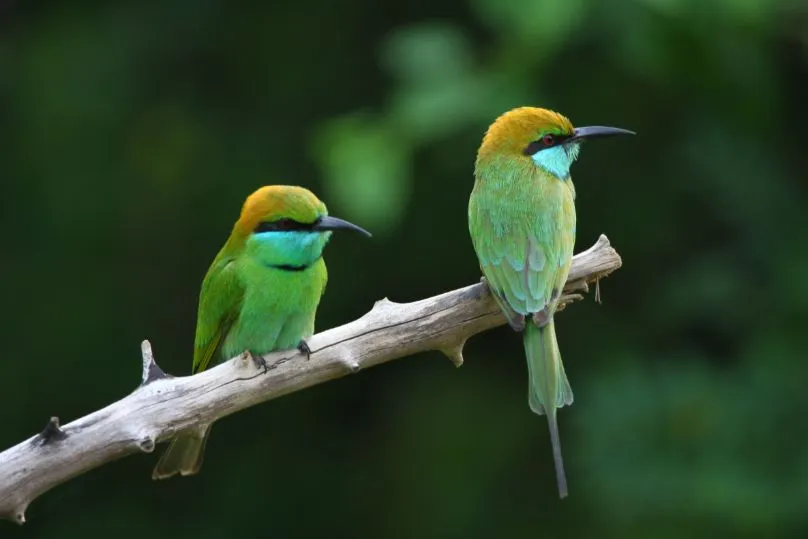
x: 303, y: 348
x: 542, y: 318
x: 258, y: 361
x: 517, y: 324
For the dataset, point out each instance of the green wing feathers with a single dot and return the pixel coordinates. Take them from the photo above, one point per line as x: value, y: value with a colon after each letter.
x: 516, y: 266
x: 219, y: 306
x: 522, y: 225
x: 515, y: 263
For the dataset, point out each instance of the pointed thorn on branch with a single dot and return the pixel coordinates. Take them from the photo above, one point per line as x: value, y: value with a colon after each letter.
x: 146, y: 444
x: 567, y: 299
x: 52, y: 432
x: 577, y: 286
x: 352, y: 365
x: 455, y: 353
x: 383, y: 304
x: 151, y: 371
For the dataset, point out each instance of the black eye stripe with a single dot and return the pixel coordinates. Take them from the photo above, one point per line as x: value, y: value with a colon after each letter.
x: 538, y: 145
x: 533, y: 147
x: 283, y: 225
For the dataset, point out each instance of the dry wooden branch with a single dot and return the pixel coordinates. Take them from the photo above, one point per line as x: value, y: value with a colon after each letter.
x: 164, y: 405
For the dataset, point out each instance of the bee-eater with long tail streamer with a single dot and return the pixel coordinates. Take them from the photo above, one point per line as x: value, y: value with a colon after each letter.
x: 522, y: 225
x: 260, y: 293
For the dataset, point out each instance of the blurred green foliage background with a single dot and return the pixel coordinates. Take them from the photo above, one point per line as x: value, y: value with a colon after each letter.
x: 131, y: 132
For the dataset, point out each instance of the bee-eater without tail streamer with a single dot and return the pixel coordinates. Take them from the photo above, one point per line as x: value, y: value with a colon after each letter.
x: 522, y: 225
x: 260, y: 293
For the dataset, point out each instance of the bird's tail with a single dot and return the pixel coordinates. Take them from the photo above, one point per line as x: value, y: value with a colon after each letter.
x: 549, y: 388
x: 184, y: 455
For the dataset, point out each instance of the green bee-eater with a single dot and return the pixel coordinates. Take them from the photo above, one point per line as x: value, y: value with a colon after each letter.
x: 260, y: 293
x: 522, y: 225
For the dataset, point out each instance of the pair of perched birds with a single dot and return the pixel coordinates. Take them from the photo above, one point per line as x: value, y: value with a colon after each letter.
x: 262, y: 289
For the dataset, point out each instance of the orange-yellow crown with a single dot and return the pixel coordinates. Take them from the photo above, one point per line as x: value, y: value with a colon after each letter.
x: 514, y: 130
x: 273, y: 202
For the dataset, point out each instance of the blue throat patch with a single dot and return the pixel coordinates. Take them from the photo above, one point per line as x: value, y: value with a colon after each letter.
x: 293, y: 251
x: 558, y: 159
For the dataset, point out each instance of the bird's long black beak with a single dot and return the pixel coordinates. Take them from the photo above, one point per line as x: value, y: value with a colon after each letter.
x: 335, y: 223
x: 595, y: 131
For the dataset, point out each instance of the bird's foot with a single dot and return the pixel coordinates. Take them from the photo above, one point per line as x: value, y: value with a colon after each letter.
x: 542, y: 318
x: 303, y: 348
x: 258, y: 361
x: 517, y: 323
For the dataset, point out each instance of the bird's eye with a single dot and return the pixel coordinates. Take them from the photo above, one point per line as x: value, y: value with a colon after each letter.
x: 286, y: 224
x: 281, y: 225
x: 548, y: 140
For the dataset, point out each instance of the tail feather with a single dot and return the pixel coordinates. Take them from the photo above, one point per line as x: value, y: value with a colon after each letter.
x: 184, y: 456
x: 549, y: 388
x: 561, y: 477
